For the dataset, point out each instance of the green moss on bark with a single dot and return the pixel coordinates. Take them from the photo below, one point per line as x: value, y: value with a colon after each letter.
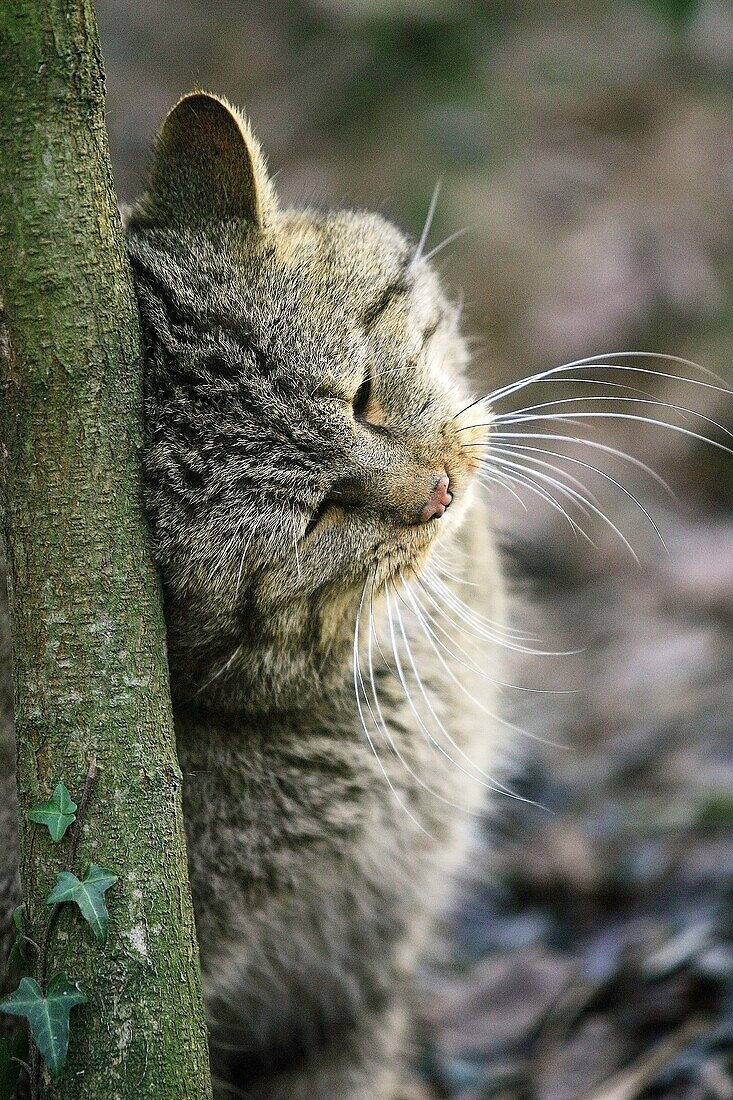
x: 89, y: 643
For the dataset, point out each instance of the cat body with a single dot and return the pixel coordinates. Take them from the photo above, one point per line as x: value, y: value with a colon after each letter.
x: 304, y: 406
x: 313, y: 889
x: 307, y: 446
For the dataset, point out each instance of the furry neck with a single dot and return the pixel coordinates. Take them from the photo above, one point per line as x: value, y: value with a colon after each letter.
x: 286, y: 660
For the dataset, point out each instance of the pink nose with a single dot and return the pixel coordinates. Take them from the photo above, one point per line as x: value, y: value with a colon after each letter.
x: 438, y: 502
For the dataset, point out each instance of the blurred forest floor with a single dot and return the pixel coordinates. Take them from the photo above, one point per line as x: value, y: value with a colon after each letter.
x: 588, y: 150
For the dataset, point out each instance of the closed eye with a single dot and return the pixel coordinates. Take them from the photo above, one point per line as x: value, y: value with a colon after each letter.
x: 362, y: 397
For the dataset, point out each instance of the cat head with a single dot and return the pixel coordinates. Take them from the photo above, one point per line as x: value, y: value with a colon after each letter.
x: 305, y: 423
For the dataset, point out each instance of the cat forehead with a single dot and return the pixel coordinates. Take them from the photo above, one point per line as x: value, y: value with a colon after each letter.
x: 353, y: 265
x: 339, y: 252
x: 361, y: 238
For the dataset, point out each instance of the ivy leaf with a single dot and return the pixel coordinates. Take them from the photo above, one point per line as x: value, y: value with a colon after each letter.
x: 88, y: 895
x: 16, y: 958
x: 56, y: 814
x: 12, y: 1053
x: 48, y: 1017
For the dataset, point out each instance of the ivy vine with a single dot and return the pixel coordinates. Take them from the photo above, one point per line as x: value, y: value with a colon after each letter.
x: 46, y: 1002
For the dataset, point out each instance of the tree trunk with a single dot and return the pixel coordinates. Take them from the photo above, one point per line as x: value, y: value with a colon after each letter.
x: 90, y: 668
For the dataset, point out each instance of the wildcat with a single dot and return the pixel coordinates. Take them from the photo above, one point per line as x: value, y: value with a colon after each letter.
x: 308, y: 444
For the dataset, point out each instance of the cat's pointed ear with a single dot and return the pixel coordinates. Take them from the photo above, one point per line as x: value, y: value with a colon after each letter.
x: 208, y: 166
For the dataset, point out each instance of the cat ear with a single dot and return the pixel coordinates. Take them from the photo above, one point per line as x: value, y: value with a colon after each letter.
x: 208, y: 166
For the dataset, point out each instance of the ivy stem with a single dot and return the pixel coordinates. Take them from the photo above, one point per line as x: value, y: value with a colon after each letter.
x: 45, y: 938
x: 83, y: 804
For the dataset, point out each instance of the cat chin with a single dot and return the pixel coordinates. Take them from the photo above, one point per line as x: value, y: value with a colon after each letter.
x: 348, y: 560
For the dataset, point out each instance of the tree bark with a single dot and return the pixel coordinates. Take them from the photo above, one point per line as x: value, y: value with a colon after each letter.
x: 90, y: 669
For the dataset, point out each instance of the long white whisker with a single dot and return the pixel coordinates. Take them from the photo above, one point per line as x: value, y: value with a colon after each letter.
x: 418, y: 610
x: 525, y: 483
x: 603, y: 360
x: 529, y: 483
x: 517, y: 416
x: 380, y: 722
x: 451, y: 576
x: 512, y: 417
x: 560, y: 417
x: 403, y: 680
x: 448, y: 240
x: 492, y: 783
x: 358, y: 688
x: 518, y: 451
x: 559, y: 381
x: 428, y: 223
x: 495, y: 631
x: 494, y: 478
x: 416, y: 777
x: 556, y: 437
x: 483, y: 628
x: 580, y: 500
x: 470, y: 664
x: 508, y: 639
